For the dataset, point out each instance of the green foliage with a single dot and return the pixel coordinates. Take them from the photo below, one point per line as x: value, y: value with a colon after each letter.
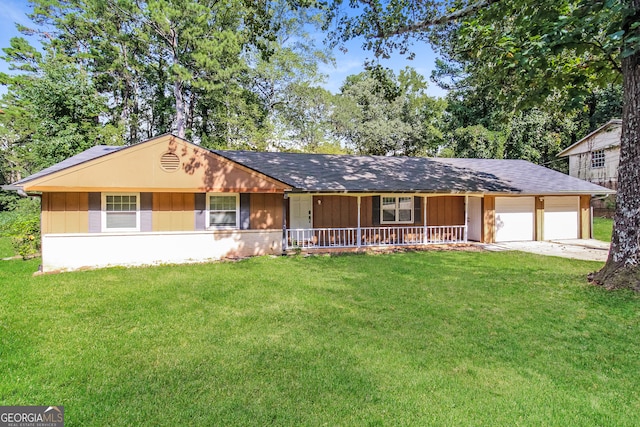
x: 49, y: 116
x: 537, y: 136
x: 528, y: 49
x: 22, y: 226
x: 380, y: 113
x: 542, y: 74
x: 206, y: 70
x: 538, y: 117
x: 304, y: 120
x: 602, y: 105
x: 478, y: 142
x: 8, y: 200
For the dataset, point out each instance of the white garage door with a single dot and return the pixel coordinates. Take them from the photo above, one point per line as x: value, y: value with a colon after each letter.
x: 514, y: 218
x: 561, y: 217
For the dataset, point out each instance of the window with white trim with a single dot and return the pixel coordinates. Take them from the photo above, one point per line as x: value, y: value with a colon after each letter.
x: 223, y: 210
x: 597, y: 159
x: 120, y: 211
x: 396, y: 210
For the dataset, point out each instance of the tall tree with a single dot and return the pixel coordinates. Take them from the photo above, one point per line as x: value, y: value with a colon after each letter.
x: 531, y: 49
x: 383, y: 114
x: 304, y: 119
x: 49, y: 115
x: 199, y: 43
x: 211, y: 71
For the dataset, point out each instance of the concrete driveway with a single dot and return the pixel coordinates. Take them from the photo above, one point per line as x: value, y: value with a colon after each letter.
x: 584, y: 249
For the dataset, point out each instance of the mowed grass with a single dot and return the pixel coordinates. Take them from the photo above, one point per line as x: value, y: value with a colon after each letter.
x: 6, y: 250
x: 602, y: 228
x: 423, y: 338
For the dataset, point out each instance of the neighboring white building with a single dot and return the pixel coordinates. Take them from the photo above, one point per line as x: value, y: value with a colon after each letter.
x: 595, y: 157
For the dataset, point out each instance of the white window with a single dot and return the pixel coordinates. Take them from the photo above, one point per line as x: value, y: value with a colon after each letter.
x: 597, y: 159
x: 120, y: 212
x: 223, y: 210
x: 396, y: 210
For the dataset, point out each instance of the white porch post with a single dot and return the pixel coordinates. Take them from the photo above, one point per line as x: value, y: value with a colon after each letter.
x: 359, y: 233
x: 466, y: 215
x: 425, y: 238
x: 285, y: 199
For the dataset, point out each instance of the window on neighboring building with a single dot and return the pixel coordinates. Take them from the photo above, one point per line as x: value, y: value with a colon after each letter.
x: 396, y: 210
x: 597, y: 159
x: 223, y: 210
x: 121, y: 212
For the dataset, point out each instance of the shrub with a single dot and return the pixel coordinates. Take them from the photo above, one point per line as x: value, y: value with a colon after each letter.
x: 22, y: 225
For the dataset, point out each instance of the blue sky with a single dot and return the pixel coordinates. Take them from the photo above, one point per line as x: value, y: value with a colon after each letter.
x: 351, y: 62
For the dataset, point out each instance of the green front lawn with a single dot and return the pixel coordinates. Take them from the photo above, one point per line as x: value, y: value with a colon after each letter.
x: 602, y: 228
x: 431, y: 338
x: 6, y: 249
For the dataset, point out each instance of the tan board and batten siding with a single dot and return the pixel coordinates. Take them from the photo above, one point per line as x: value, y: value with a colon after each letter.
x: 68, y: 212
x: 173, y: 212
x: 266, y: 211
x: 339, y: 211
x: 445, y: 210
x: 65, y: 213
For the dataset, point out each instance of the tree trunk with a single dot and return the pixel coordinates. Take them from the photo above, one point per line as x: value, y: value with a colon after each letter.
x: 178, y: 87
x: 180, y: 107
x: 622, y: 269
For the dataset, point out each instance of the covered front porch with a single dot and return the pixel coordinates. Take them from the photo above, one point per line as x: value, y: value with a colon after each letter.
x: 323, y: 221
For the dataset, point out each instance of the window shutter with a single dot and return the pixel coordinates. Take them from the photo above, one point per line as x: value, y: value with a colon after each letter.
x: 200, y: 211
x: 95, y: 216
x: 245, y: 211
x: 146, y: 214
x: 417, y: 211
x: 375, y: 208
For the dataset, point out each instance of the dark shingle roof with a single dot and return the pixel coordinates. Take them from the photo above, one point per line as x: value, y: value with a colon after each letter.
x: 343, y: 173
x: 324, y: 172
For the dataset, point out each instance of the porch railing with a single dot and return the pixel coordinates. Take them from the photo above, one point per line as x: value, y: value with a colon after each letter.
x: 315, y: 238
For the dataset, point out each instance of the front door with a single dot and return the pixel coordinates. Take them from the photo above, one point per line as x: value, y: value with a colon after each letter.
x: 474, y: 219
x: 301, y: 216
x: 301, y: 211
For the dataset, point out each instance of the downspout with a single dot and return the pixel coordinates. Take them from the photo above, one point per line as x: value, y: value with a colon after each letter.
x: 591, y: 220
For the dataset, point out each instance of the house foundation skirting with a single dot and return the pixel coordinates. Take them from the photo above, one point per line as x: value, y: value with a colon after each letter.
x: 66, y: 252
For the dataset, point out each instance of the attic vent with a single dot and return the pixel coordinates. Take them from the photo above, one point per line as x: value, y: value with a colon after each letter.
x: 169, y: 162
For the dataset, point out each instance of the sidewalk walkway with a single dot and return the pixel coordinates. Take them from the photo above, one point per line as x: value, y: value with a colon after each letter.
x: 584, y: 249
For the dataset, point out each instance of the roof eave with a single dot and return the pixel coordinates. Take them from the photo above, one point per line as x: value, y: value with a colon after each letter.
x: 575, y: 144
x: 453, y: 193
x: 11, y: 187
